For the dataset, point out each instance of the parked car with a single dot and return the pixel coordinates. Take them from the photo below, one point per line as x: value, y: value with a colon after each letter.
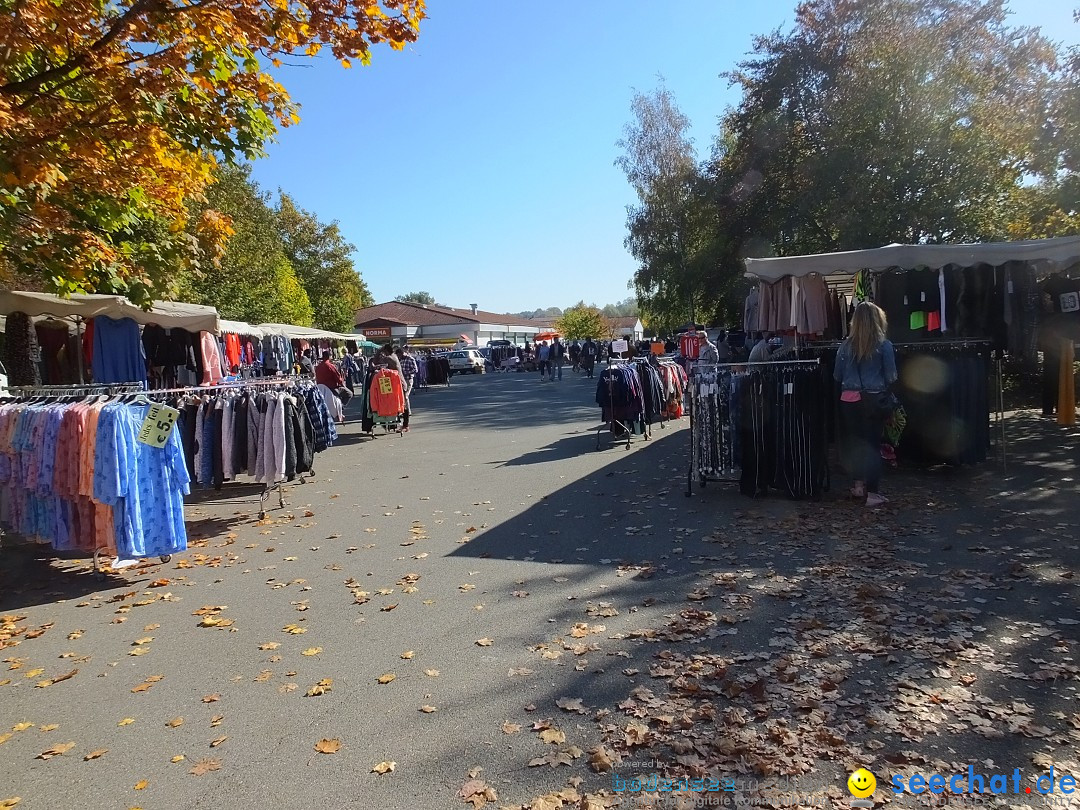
x: 485, y: 352
x: 466, y: 360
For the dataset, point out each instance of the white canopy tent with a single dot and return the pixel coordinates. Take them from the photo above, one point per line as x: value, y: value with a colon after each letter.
x: 241, y: 328
x: 306, y: 332
x: 169, y: 314
x: 1046, y: 255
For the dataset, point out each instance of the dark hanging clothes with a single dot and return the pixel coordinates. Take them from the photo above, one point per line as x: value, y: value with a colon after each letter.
x: 189, y: 415
x: 218, y: 413
x: 155, y: 340
x: 21, y: 351
x: 57, y: 360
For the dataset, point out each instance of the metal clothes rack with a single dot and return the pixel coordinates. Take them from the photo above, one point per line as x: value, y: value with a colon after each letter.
x: 695, y: 422
x: 22, y: 392
x: 238, y: 385
x: 959, y: 343
x: 612, y: 422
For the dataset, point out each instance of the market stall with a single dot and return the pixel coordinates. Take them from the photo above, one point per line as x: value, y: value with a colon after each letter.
x: 954, y: 311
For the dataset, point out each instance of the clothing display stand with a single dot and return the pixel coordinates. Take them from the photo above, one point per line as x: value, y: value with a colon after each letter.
x: 612, y: 422
x: 75, y: 392
x: 706, y: 424
x: 260, y: 383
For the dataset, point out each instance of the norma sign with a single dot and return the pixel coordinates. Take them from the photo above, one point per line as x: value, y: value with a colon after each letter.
x: 377, y: 331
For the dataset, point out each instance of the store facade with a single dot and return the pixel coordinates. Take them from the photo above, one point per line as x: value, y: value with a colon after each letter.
x: 434, y: 326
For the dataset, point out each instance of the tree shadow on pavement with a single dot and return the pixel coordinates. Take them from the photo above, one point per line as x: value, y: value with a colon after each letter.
x: 726, y: 636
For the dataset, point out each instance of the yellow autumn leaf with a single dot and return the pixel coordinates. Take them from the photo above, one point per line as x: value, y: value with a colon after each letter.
x: 312, y: 651
x: 141, y: 784
x: 386, y: 678
x: 22, y: 726
x: 127, y: 721
x: 178, y: 758
x: 384, y: 767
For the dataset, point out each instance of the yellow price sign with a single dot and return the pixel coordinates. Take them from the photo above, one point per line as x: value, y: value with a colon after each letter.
x: 386, y: 386
x: 158, y: 424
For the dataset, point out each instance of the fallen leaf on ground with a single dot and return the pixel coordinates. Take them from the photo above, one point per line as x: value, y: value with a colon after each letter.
x: 215, y: 721
x: 176, y: 722
x: 293, y: 629
x: 141, y: 784
x: 312, y: 651
x: 211, y: 698
x: 386, y: 678
x: 7, y: 804
x: 49, y: 727
x: 431, y: 673
x: 484, y: 642
x: 388, y: 608
x: 321, y: 688
x: 571, y: 705
x: 477, y: 793
x: 428, y: 709
x: 553, y: 736
x: 57, y: 679
x: 270, y: 645
x: 178, y: 758
x: 56, y: 750
x: 328, y: 746
x: 127, y: 721
x: 100, y: 752
x: 601, y: 759
x: 511, y: 728
x: 140, y: 641
x: 218, y: 741
x: 384, y: 767
x: 204, y: 766
x: 23, y: 726
x: 520, y: 671
x: 407, y: 655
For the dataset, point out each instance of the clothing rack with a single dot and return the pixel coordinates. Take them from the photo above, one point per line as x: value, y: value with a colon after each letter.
x: 612, y: 422
x: 109, y: 389
x: 696, y: 401
x: 239, y: 385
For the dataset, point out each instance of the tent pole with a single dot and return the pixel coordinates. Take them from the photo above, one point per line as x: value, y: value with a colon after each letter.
x: 1001, y: 411
x: 79, y: 348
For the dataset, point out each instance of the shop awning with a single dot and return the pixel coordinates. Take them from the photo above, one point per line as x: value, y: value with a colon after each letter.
x: 170, y: 314
x: 240, y: 328
x: 307, y: 333
x: 1047, y: 255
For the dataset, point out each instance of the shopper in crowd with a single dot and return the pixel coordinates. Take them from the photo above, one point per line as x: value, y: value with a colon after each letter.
x: 307, y: 367
x: 707, y: 352
x: 589, y: 352
x: 761, y: 353
x: 350, y: 368
x: 558, y: 357
x: 865, y: 368
x: 328, y: 374
x: 543, y: 357
x: 409, y: 369
x: 723, y: 349
x: 575, y: 355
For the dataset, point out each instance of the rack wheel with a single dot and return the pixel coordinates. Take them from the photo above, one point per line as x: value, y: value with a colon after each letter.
x: 99, y: 576
x: 262, y: 515
x: 166, y: 558
x: 701, y: 481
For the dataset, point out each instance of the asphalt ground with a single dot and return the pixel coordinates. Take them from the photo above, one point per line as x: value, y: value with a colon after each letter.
x: 523, y: 588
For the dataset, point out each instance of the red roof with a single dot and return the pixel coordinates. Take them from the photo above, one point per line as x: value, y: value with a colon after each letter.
x: 411, y: 314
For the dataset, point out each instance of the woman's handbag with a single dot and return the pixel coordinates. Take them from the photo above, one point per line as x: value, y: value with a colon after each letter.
x: 884, y: 402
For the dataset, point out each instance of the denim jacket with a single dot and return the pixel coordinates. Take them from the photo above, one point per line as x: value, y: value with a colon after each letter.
x: 876, y: 373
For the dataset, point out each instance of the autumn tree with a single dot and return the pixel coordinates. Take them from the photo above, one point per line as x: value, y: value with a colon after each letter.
x: 322, y: 261
x: 114, y: 115
x: 256, y: 281
x: 581, y: 321
x: 422, y: 297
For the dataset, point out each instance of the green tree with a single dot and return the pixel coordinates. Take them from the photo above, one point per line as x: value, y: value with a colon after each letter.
x: 623, y: 309
x: 425, y: 298
x: 581, y: 321
x: 672, y: 231
x: 255, y: 283
x: 322, y: 261
x: 892, y: 121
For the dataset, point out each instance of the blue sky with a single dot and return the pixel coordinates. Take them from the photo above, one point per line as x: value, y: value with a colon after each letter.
x: 478, y: 164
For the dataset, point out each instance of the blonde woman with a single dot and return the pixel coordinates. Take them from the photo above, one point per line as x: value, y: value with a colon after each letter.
x: 865, y: 368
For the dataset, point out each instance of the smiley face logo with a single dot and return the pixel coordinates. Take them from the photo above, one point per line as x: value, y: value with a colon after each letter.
x: 861, y: 783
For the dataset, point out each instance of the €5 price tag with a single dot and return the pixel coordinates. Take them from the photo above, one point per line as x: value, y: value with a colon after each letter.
x: 386, y: 386
x: 157, y: 425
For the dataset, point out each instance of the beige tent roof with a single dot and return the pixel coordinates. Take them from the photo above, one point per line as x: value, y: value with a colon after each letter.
x: 170, y: 314
x: 1047, y: 255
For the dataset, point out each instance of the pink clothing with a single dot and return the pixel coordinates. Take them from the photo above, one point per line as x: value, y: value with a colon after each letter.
x: 211, y: 359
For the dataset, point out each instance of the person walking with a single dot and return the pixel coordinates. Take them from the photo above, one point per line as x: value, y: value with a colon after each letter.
x: 575, y: 355
x: 558, y: 356
x: 543, y: 356
x: 707, y: 352
x: 589, y: 351
x: 326, y: 373
x: 409, y: 368
x: 865, y: 368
